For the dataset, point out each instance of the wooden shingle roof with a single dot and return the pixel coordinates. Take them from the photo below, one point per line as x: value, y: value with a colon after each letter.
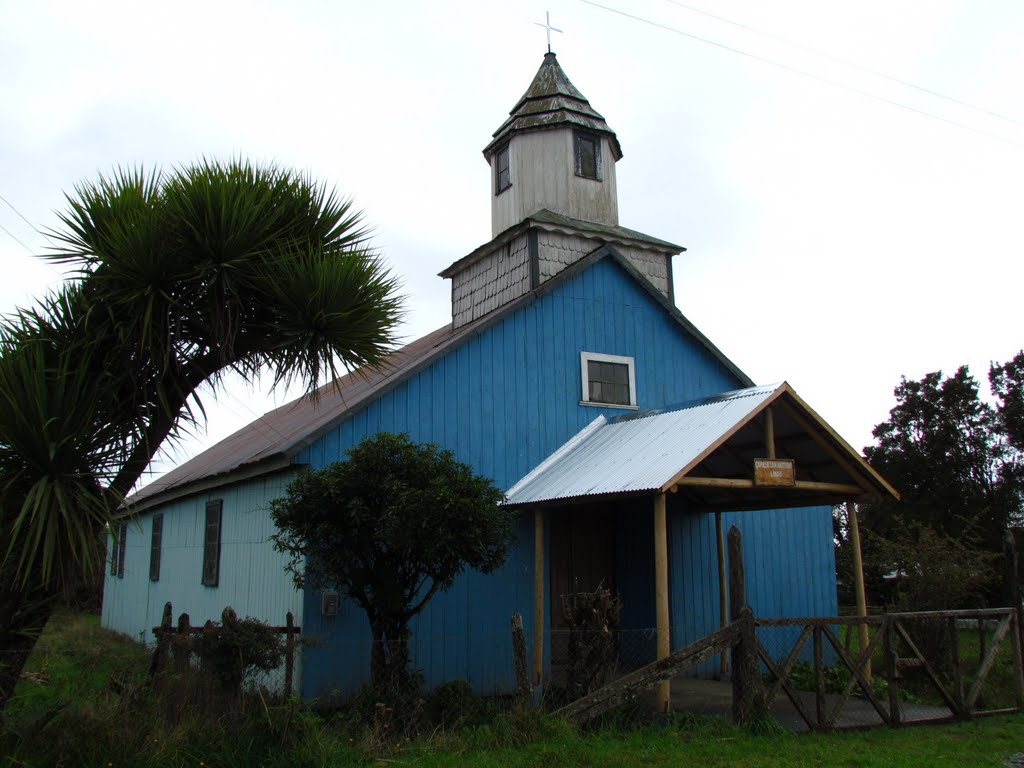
x: 551, y: 100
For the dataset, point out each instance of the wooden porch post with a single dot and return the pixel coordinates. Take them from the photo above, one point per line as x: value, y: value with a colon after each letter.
x: 723, y: 589
x: 661, y: 595
x: 858, y: 580
x: 538, y: 596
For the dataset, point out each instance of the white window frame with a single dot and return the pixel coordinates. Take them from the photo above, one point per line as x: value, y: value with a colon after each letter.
x: 586, y: 357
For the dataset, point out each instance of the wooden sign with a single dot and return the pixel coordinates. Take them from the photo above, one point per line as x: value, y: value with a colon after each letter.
x: 774, y: 472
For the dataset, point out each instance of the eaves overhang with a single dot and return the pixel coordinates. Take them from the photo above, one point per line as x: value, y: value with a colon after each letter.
x: 549, y: 221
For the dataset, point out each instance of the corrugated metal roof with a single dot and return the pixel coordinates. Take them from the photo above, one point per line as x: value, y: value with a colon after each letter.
x: 639, y: 452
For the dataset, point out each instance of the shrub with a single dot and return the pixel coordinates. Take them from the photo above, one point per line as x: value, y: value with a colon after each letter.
x: 235, y: 646
x: 454, y: 704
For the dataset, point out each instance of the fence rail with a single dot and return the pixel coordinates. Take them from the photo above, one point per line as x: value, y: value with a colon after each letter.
x: 917, y: 651
x: 173, y: 646
x: 942, y: 665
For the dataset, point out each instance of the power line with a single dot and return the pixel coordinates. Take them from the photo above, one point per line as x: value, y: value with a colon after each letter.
x: 847, y: 63
x: 811, y: 75
x: 16, y: 239
x: 21, y: 216
x: 35, y: 229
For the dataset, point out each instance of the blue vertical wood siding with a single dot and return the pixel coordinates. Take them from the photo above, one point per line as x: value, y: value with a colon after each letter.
x: 789, y: 564
x: 503, y: 401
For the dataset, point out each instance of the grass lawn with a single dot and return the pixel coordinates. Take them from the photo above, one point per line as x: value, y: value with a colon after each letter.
x: 83, y: 703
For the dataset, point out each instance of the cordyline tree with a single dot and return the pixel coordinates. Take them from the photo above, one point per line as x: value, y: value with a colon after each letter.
x: 391, y: 526
x: 178, y: 277
x: 957, y: 461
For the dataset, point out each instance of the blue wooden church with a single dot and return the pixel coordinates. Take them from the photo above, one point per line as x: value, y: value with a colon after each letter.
x: 623, y: 437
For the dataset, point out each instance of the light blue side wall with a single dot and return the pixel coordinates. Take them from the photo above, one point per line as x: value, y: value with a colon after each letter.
x: 252, y: 576
x: 789, y: 566
x: 503, y: 401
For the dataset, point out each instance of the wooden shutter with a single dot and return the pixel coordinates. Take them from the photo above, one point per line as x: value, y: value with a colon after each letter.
x: 115, y: 547
x: 122, y: 538
x: 155, y: 547
x: 211, y: 543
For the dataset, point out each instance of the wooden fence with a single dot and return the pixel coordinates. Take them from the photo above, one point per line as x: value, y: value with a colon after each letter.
x: 893, y: 641
x: 173, y: 647
x: 758, y: 676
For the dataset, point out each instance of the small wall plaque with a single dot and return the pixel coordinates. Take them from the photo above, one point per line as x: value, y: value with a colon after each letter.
x: 774, y: 472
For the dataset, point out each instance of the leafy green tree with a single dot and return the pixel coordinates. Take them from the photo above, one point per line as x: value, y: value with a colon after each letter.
x: 958, y: 469
x: 1007, y: 383
x: 390, y: 526
x: 179, y: 277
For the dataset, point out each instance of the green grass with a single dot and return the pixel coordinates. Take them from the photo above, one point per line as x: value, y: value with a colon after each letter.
x: 75, y: 659
x: 83, y: 702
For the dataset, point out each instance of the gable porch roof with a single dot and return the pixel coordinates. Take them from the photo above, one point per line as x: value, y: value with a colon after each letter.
x: 705, y: 451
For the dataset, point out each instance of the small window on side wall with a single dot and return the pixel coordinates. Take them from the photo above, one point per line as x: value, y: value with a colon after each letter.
x: 502, y: 171
x: 156, y: 544
x: 587, y: 149
x: 608, y: 380
x: 211, y: 543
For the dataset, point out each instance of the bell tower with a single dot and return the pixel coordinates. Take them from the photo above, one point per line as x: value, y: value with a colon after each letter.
x: 553, y: 203
x: 554, y: 152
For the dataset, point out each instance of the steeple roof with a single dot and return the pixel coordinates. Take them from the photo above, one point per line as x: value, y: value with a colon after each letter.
x: 550, y: 100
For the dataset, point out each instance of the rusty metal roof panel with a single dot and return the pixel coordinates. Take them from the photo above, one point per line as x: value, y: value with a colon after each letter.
x: 280, y: 432
x: 637, y: 453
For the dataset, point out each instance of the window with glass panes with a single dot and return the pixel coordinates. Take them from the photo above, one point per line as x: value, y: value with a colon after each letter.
x: 588, y: 155
x: 502, y: 173
x: 608, y: 379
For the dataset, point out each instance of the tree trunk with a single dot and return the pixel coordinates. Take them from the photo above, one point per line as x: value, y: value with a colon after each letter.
x: 22, y: 618
x: 389, y: 660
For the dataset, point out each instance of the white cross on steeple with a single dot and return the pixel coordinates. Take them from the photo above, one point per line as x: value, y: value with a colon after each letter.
x: 548, y: 27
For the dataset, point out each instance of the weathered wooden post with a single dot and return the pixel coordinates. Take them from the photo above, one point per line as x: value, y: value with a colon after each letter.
x: 163, y: 641
x: 958, y: 677
x: 892, y: 671
x: 289, y: 653
x: 858, y: 581
x: 1018, y: 663
x: 661, y: 611
x: 1013, y: 591
x: 819, y: 678
x: 538, y: 595
x: 723, y: 590
x: 523, y: 688
x: 747, y: 688
x: 182, y: 649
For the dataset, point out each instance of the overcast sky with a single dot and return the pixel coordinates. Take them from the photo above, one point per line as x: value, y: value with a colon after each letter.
x: 843, y: 228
